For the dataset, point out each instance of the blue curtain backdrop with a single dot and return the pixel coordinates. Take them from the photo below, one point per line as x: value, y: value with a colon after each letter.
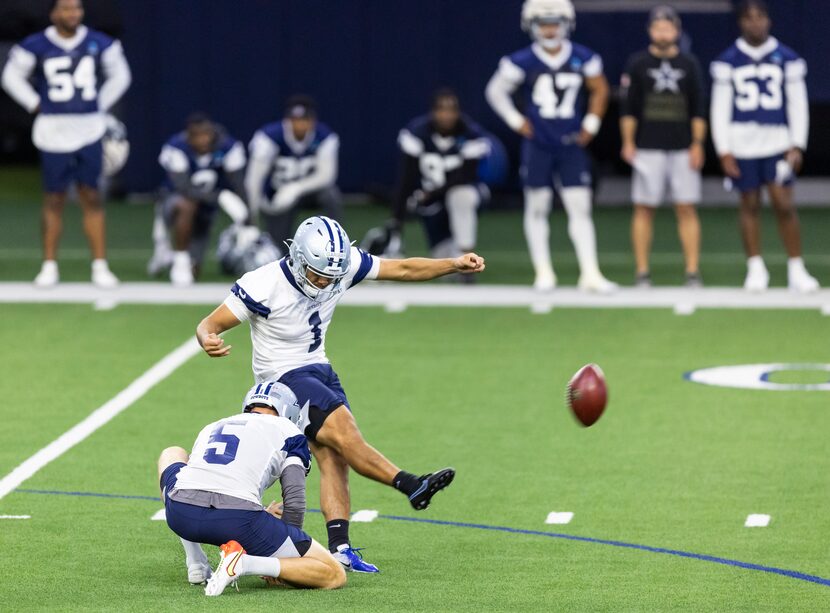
x: 371, y: 64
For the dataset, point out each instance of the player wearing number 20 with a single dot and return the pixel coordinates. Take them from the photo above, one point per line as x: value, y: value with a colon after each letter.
x: 55, y: 74
x: 554, y: 76
x: 760, y: 123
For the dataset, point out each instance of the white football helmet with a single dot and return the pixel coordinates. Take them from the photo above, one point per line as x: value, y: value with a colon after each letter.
x: 321, y: 245
x: 536, y: 12
x: 116, y: 147
x: 275, y: 395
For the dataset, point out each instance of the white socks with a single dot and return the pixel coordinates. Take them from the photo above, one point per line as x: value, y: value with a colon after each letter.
x: 462, y: 202
x: 577, y: 202
x: 194, y: 554
x: 537, y: 229
x: 258, y: 565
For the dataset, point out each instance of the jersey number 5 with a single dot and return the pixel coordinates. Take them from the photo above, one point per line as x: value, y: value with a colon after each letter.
x: 548, y: 101
x: 63, y: 83
x: 231, y: 442
x: 748, y: 82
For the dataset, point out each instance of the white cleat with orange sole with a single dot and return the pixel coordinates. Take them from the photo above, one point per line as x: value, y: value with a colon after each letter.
x: 229, y: 556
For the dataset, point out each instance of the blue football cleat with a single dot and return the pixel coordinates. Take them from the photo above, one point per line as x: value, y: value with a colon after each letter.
x: 352, y: 561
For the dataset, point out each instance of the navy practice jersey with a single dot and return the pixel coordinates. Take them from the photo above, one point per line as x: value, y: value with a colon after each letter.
x: 67, y: 79
x: 553, y: 89
x: 202, y: 177
x: 439, y: 156
x: 291, y: 159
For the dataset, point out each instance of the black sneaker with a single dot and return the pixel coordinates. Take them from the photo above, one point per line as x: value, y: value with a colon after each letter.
x: 431, y: 484
x: 643, y: 280
x: 694, y: 280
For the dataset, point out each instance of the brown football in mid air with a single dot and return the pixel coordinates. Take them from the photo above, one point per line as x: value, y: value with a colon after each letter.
x: 587, y: 394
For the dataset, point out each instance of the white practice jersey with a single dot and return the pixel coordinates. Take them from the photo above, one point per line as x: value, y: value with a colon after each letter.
x: 243, y: 455
x: 288, y: 329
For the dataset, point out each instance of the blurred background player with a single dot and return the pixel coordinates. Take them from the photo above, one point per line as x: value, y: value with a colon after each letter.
x: 553, y: 75
x: 205, y: 170
x: 663, y: 129
x: 293, y: 164
x: 760, y: 124
x: 441, y: 152
x: 289, y: 306
x: 214, y: 496
x: 65, y: 63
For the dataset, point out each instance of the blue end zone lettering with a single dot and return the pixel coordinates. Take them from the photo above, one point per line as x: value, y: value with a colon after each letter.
x: 257, y: 308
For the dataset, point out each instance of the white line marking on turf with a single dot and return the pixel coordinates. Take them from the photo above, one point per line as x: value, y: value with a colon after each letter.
x: 757, y: 520
x: 825, y: 309
x: 104, y: 304
x: 541, y: 308
x: 684, y: 308
x: 364, y: 515
x: 135, y: 390
x: 15, y: 517
x: 159, y: 515
x: 559, y: 517
x: 395, y: 307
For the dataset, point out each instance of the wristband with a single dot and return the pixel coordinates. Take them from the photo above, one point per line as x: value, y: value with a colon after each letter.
x: 591, y: 124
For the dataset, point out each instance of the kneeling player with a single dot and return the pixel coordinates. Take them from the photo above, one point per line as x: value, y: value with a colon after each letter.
x: 205, y: 171
x: 214, y: 496
x: 439, y: 177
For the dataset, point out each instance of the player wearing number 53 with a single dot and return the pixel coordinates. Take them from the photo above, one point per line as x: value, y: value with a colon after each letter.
x: 559, y: 80
x: 55, y: 75
x: 760, y: 123
x: 289, y: 305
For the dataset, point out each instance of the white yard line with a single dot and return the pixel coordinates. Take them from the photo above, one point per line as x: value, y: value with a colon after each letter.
x: 397, y: 296
x: 121, y: 401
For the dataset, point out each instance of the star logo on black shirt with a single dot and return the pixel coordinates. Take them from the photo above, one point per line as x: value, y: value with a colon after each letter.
x: 666, y: 77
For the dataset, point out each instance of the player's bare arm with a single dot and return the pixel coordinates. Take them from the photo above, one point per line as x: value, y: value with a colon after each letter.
x: 209, y: 329
x: 697, y: 150
x: 598, y: 93
x: 424, y: 269
x: 628, y: 132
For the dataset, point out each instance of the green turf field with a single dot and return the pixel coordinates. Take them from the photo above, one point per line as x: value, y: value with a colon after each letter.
x: 501, y: 241
x: 672, y: 464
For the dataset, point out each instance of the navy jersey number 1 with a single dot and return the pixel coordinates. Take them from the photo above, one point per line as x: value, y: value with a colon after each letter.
x: 314, y: 321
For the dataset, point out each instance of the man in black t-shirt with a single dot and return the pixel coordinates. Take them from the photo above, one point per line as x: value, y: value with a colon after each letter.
x: 663, y: 130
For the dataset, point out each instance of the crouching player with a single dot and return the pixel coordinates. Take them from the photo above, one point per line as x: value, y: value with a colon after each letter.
x: 214, y: 496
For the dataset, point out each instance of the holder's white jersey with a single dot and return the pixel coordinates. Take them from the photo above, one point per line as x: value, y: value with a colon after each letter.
x: 288, y: 329
x: 243, y: 455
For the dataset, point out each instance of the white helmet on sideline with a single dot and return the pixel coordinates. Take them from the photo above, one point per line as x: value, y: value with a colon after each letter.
x: 536, y: 12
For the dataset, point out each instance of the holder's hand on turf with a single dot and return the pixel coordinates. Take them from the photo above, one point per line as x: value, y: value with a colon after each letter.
x: 469, y: 263
x: 214, y: 346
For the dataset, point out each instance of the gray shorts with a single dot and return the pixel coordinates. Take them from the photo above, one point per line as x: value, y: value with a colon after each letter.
x: 654, y: 169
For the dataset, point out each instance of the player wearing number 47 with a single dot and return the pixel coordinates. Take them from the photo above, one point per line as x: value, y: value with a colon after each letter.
x: 760, y: 122
x: 63, y: 63
x: 289, y: 305
x: 553, y: 76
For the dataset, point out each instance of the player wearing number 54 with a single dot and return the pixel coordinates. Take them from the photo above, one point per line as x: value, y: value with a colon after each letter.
x: 565, y: 97
x: 289, y: 304
x: 64, y: 63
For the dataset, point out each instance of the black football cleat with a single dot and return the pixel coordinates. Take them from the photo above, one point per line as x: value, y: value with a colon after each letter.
x: 431, y: 484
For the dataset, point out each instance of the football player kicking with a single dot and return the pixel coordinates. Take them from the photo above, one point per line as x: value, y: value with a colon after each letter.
x: 214, y: 496
x: 289, y: 305
x: 554, y: 76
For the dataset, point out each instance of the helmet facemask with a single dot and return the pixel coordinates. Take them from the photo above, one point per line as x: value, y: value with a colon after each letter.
x: 321, y: 247
x: 553, y: 42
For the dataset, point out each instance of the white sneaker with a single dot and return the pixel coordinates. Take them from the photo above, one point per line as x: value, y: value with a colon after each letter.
x: 545, y: 281
x: 757, y: 276
x: 48, y: 275
x: 181, y: 273
x: 102, y: 275
x: 229, y: 555
x: 798, y: 279
x: 597, y: 284
x: 198, y: 573
x: 161, y: 261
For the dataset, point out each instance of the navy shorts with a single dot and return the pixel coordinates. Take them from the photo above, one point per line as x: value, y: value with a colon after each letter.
x: 82, y: 167
x: 567, y: 166
x: 259, y: 532
x: 761, y: 171
x: 318, y: 385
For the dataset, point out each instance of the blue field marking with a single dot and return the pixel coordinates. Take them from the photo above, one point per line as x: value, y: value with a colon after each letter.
x: 792, y: 574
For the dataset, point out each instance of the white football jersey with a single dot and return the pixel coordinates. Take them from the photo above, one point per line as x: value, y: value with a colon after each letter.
x: 243, y: 455
x: 288, y: 329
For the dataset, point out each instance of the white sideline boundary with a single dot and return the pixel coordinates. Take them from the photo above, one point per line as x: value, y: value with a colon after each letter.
x: 397, y: 297
x: 117, y: 404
